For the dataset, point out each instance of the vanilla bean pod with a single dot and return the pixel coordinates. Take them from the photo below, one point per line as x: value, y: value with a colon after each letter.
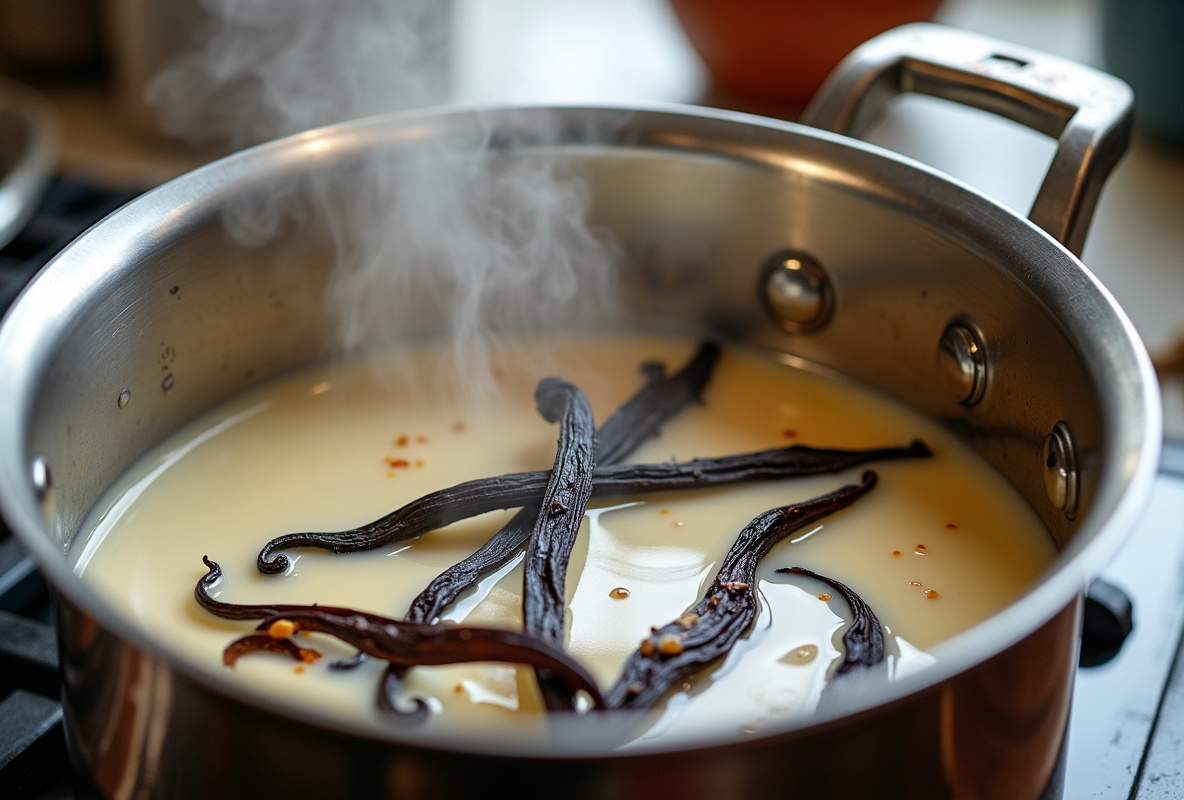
x: 345, y: 664
x: 443, y: 507
x: 654, y: 404
x: 636, y: 420
x: 390, y: 687
x: 408, y: 644
x: 254, y: 642
x: 863, y: 640
x: 562, y: 509
x: 201, y: 593
x: 399, y: 642
x: 558, y: 522
x: 709, y: 629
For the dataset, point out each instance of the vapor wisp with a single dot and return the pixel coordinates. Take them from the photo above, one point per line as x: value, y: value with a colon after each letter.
x: 259, y: 69
x: 485, y: 228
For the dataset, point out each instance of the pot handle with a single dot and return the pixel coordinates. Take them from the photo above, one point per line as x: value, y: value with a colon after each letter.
x: 1088, y: 111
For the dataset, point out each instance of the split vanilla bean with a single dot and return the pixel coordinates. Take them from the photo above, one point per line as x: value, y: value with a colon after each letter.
x: 662, y: 396
x: 558, y: 522
x: 443, y: 507
x: 568, y: 489
x: 863, y: 642
x: 636, y: 420
x: 708, y: 630
x: 398, y: 642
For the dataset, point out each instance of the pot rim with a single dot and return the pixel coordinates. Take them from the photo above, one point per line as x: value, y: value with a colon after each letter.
x: 28, y: 332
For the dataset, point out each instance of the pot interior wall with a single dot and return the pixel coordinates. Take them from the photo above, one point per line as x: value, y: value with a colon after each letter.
x: 188, y: 315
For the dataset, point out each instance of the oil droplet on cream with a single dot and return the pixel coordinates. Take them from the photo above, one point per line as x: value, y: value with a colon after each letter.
x: 619, y: 593
x: 800, y: 655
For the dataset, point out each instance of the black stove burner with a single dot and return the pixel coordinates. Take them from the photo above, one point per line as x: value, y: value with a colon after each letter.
x: 1121, y: 744
x: 69, y: 207
x: 32, y: 744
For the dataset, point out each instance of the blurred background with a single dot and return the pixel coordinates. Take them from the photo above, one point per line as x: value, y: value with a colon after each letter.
x: 92, y: 60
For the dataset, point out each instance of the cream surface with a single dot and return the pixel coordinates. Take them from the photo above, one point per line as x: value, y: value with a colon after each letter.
x: 939, y: 545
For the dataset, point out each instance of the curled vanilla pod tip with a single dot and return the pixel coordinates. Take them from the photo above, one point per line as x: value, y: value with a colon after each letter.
x: 403, y: 644
x: 708, y: 630
x: 863, y: 641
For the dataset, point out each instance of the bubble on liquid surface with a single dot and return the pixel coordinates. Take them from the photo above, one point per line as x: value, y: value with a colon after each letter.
x: 801, y: 655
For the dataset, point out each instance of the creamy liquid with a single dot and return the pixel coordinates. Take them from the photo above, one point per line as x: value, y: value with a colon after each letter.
x: 937, y: 546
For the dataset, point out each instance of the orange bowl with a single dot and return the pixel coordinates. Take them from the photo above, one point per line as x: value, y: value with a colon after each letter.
x: 781, y: 50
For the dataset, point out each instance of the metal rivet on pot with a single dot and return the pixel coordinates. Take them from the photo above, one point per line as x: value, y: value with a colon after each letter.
x: 796, y: 291
x: 125, y: 397
x: 40, y: 473
x: 962, y: 362
x: 1060, y: 469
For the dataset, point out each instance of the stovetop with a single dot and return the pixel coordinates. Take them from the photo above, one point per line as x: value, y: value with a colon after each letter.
x: 32, y: 747
x: 1127, y: 723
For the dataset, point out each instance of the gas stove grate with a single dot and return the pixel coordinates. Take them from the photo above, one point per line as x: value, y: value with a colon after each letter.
x: 33, y: 760
x: 32, y: 745
x: 69, y: 207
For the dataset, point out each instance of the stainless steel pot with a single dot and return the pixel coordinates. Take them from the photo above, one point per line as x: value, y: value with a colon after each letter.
x: 902, y: 278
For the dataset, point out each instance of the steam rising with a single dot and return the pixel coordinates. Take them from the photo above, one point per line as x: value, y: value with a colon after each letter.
x: 466, y: 229
x: 489, y: 243
x: 260, y: 69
